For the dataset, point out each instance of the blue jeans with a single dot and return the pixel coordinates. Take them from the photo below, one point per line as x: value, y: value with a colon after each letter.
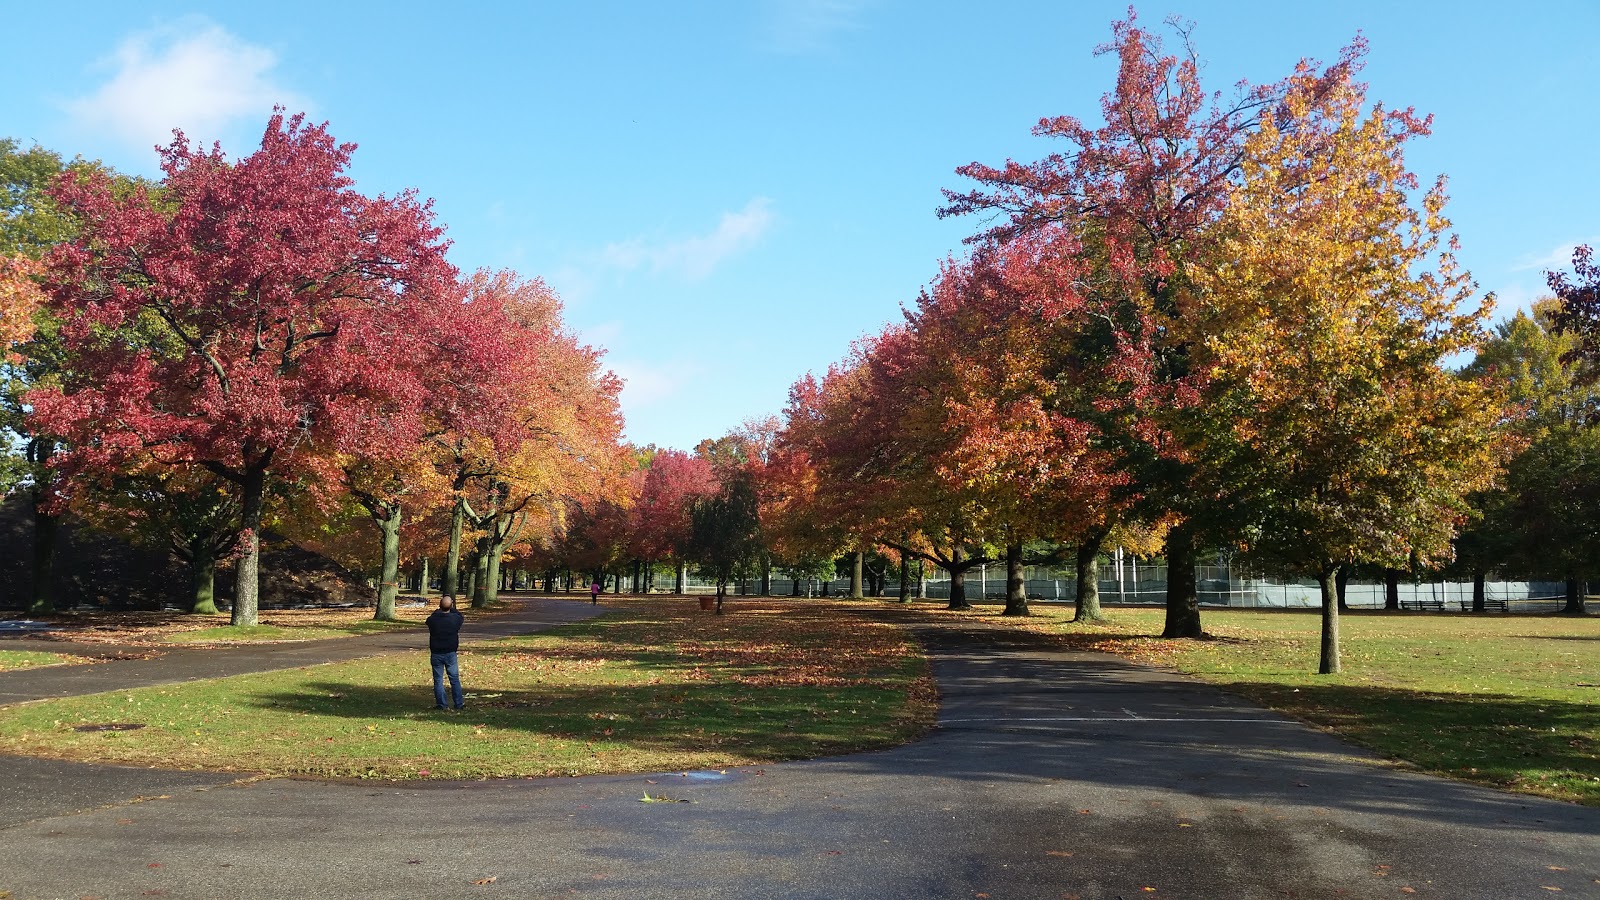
x: 445, y: 663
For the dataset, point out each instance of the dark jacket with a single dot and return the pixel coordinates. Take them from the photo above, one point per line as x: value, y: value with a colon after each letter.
x: 444, y: 631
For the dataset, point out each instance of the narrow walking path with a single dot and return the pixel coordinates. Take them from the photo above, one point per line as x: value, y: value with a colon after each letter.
x: 180, y: 663
x: 1051, y: 775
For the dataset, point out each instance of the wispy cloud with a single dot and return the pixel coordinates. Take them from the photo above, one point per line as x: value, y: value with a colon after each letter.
x: 192, y: 75
x: 646, y: 384
x: 1559, y: 257
x: 696, y: 256
x: 807, y: 26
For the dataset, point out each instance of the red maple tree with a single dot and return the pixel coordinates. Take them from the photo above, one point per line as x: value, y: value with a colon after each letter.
x: 255, y: 317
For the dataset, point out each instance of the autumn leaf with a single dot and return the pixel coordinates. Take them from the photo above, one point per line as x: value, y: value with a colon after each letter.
x: 489, y: 880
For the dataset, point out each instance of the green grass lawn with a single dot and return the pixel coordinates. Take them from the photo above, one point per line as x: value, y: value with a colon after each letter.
x: 1509, y: 700
x: 658, y: 686
x: 27, y: 659
x: 260, y: 634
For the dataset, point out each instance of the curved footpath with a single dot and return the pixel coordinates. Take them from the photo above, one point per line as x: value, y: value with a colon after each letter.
x: 1051, y: 775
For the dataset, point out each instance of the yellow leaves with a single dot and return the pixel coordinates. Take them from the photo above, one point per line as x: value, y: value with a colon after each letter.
x: 20, y: 298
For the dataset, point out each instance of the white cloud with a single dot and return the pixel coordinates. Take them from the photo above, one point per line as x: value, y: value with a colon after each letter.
x: 1559, y: 257
x: 695, y: 257
x: 192, y: 75
x: 807, y: 26
x: 649, y: 383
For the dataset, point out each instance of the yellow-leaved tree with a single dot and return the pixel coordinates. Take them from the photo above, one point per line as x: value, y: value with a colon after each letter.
x: 1326, y: 321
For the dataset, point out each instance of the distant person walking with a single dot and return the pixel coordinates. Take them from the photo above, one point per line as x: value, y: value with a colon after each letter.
x: 594, y: 593
x: 444, y: 639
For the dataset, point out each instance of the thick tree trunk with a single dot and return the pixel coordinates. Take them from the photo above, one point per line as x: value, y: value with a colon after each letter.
x: 766, y: 577
x: 1016, y: 588
x: 471, y: 570
x: 492, y: 595
x: 422, y: 583
x: 1087, y: 607
x: 682, y: 575
x: 203, y: 578
x: 452, y: 559
x: 480, y: 574
x: 389, y: 580
x: 45, y: 529
x: 958, y: 581
x: 1329, y: 662
x: 1391, y: 589
x: 1480, y: 599
x: 247, y: 573
x: 794, y: 587
x: 722, y: 590
x: 1342, y: 582
x: 857, y: 559
x: 1183, y: 603
x: 1575, y: 598
x: 905, y: 579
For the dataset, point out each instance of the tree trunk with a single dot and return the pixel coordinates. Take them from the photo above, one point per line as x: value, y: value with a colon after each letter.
x: 1342, y: 582
x: 452, y: 559
x: 1391, y: 589
x: 203, y: 577
x: 905, y: 579
x: 1480, y: 600
x: 922, y: 579
x: 1183, y: 604
x: 1329, y: 663
x: 766, y: 576
x: 480, y: 574
x: 471, y: 570
x: 492, y: 570
x: 722, y: 589
x: 683, y: 574
x: 45, y: 529
x: 1574, y: 598
x: 1087, y: 607
x: 1016, y: 588
x: 389, y: 580
x: 422, y: 584
x: 958, y: 582
x: 247, y: 572
x: 856, y: 561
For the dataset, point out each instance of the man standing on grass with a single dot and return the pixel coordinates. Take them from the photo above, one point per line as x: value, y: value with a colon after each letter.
x: 444, y: 639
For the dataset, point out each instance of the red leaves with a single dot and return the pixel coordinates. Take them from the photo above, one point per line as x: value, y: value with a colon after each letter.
x: 260, y: 310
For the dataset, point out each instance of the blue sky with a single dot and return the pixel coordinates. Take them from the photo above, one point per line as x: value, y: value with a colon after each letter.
x: 726, y: 194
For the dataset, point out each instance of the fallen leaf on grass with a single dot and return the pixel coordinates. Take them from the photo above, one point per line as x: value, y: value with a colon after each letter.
x: 1408, y: 890
x: 490, y: 880
x: 1058, y: 853
x: 124, y: 821
x: 153, y: 866
x: 1556, y: 868
x: 1550, y: 888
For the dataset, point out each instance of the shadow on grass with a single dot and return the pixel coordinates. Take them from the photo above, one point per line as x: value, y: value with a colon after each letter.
x: 769, y: 721
x: 1559, y: 637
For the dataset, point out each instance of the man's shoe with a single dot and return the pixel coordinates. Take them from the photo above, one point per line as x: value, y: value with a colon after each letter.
x: 441, y: 708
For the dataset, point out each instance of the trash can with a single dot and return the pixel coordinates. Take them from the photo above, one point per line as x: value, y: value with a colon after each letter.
x: 708, y: 603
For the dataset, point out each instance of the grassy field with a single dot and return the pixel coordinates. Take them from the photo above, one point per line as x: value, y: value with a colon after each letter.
x: 154, y: 629
x: 27, y: 659
x: 1512, y: 701
x: 292, y: 631
x: 658, y: 686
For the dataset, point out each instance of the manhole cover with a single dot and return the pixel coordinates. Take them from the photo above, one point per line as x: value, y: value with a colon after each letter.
x: 110, y: 726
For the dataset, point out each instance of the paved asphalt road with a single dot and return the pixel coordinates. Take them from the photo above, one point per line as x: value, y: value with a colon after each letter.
x: 1051, y: 775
